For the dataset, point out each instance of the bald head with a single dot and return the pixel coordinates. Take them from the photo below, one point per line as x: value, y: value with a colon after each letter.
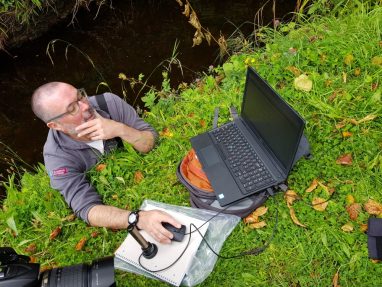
x: 46, y: 98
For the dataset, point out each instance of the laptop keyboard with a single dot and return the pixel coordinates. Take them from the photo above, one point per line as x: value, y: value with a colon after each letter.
x: 242, y: 158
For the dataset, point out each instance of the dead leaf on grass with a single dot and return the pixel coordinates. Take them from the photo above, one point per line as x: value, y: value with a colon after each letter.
x: 348, y: 227
x: 303, y: 83
x: 254, y: 216
x: 294, y: 218
x: 373, y: 207
x: 166, y: 133
x: 138, y: 176
x: 258, y: 225
x: 335, y: 279
x: 375, y: 261
x: 81, y: 243
x: 312, y: 186
x: 100, y: 167
x: 250, y: 219
x: 350, y: 199
x: 353, y: 210
x: 260, y: 211
x: 347, y: 134
x: 363, y: 227
x: 290, y: 196
x: 294, y: 70
x: 365, y: 119
x: 319, y: 204
x: 31, y: 248
x: 55, y: 233
x: 345, y: 159
x: 341, y: 124
x: 348, y: 59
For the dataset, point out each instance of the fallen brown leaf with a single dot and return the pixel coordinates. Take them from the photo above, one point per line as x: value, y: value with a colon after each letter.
x: 341, y: 124
x: 202, y: 123
x: 138, y: 176
x: 250, y: 219
x: 166, y: 133
x: 345, y: 159
x: 319, y: 204
x: 94, y: 234
x: 375, y: 261
x: 55, y: 233
x: 373, y: 207
x: 353, y: 210
x: 347, y: 134
x: 367, y: 119
x: 31, y: 248
x: 335, y: 279
x: 294, y: 218
x: 348, y: 227
x: 312, y: 186
x: 295, y: 71
x: 258, y: 225
x: 363, y: 227
x: 100, y: 167
x: 81, y: 243
x: 290, y: 196
x: 260, y: 211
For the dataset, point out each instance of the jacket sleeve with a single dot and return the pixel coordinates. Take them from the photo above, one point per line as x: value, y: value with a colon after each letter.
x: 70, y: 179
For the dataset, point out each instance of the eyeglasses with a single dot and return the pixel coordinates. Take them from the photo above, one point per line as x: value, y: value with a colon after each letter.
x: 73, y: 107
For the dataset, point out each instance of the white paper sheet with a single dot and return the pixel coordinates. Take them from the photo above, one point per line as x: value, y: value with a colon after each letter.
x: 130, y: 250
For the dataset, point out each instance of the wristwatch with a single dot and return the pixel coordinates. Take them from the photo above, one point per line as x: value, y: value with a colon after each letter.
x: 133, y: 218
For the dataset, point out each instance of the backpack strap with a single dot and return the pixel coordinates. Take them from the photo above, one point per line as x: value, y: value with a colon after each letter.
x: 100, y: 99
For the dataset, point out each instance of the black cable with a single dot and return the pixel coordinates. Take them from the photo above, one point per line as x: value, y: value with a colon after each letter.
x: 254, y: 251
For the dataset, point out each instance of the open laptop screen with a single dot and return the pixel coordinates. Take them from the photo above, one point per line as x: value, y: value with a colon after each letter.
x: 270, y: 117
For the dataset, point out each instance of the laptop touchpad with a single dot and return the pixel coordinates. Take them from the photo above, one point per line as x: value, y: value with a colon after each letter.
x: 209, y: 156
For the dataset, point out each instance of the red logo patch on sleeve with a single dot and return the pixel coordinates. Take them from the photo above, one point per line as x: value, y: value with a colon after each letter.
x: 60, y: 171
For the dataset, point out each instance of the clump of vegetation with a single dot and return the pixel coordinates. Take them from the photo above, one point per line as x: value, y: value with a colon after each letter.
x: 329, y: 70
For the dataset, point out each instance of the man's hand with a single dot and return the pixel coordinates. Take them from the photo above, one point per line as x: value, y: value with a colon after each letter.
x: 103, y: 129
x: 98, y: 129
x: 151, y: 221
x: 116, y: 218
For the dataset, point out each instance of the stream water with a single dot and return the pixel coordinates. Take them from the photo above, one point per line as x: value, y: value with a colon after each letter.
x: 132, y: 37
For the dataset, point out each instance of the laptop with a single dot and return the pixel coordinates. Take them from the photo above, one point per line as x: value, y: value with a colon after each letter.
x: 255, y: 151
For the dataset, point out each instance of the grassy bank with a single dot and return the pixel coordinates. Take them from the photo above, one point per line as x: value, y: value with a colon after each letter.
x: 329, y: 70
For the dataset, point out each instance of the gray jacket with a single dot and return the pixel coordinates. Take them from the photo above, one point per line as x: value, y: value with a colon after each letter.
x: 67, y: 160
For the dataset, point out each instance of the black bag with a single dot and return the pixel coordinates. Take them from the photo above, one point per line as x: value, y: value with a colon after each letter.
x: 200, y: 198
x: 374, y: 238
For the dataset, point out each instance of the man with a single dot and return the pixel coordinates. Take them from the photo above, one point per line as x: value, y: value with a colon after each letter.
x: 79, y: 134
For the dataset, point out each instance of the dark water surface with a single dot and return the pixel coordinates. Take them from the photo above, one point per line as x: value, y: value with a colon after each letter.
x: 133, y: 37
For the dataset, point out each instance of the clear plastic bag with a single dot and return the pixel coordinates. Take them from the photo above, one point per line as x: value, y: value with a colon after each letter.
x: 220, y: 227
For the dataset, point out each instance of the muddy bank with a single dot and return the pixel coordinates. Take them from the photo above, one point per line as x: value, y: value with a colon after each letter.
x: 15, y: 33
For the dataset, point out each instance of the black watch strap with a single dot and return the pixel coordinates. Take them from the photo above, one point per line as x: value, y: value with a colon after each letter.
x: 133, y: 219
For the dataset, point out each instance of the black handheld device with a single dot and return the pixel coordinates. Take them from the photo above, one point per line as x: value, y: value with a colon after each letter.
x: 178, y: 233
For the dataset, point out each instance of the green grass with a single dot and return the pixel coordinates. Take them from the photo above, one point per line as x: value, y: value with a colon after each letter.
x: 298, y: 256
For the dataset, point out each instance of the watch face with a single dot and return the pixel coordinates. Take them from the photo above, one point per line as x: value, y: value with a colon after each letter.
x: 132, y: 218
